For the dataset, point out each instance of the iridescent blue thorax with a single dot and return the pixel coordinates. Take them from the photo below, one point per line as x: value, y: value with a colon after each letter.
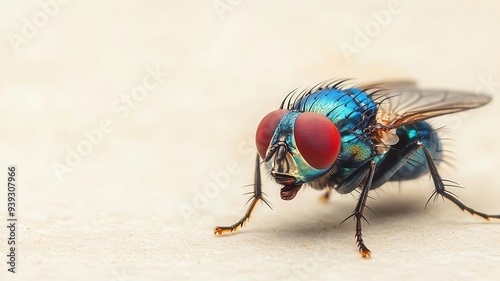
x: 351, y: 110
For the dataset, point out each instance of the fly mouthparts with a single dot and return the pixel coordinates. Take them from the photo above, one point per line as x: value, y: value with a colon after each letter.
x: 285, y: 180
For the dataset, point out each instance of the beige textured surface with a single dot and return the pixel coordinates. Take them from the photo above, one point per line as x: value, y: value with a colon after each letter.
x: 118, y: 214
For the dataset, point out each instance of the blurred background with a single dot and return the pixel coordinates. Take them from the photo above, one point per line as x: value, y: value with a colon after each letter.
x: 132, y: 126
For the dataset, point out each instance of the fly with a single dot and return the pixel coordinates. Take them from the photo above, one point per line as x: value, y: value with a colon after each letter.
x: 331, y: 136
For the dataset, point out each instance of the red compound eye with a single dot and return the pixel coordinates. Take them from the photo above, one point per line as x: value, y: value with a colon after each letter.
x: 266, y: 128
x: 317, y: 139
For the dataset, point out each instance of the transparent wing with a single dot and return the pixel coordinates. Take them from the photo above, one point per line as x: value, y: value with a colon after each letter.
x: 402, y: 102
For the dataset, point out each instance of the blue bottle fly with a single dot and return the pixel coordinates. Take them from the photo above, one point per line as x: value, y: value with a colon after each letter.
x: 331, y: 136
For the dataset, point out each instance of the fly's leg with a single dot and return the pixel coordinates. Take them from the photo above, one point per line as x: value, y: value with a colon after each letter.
x: 368, y: 170
x: 324, y: 198
x: 441, y: 190
x: 257, y: 195
x: 386, y: 170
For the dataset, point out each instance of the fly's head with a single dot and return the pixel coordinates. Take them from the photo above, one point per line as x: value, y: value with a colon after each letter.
x: 298, y: 147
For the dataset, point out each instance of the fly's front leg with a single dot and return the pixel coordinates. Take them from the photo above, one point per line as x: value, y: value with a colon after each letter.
x: 257, y: 195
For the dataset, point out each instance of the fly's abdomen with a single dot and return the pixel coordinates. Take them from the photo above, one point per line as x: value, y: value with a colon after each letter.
x: 417, y: 164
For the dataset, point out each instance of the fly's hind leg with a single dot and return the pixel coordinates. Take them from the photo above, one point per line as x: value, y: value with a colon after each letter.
x: 441, y: 190
x: 257, y: 195
x: 386, y: 170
